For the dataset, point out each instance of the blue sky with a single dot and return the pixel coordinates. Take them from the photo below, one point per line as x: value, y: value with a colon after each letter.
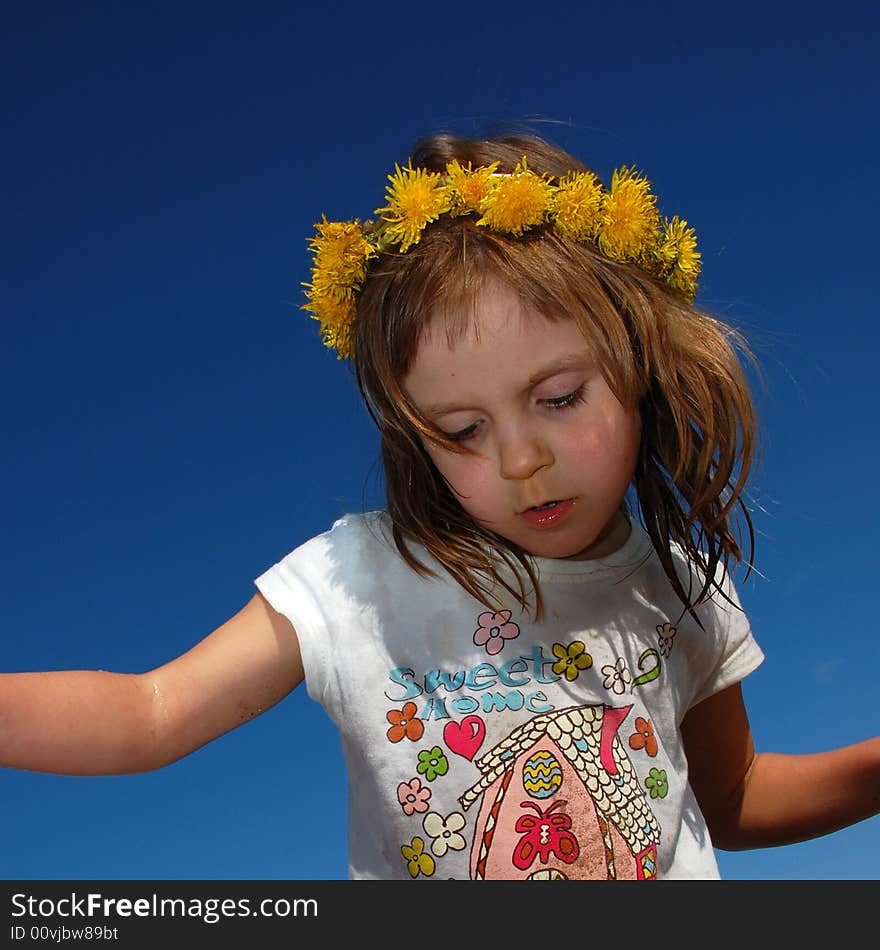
x: 173, y: 426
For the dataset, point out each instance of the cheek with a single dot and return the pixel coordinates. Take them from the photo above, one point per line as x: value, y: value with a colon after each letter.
x: 611, y: 446
x: 628, y: 441
x: 469, y: 477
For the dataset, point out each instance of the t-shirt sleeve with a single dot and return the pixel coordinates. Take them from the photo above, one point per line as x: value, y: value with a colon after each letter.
x: 297, y: 587
x: 737, y: 653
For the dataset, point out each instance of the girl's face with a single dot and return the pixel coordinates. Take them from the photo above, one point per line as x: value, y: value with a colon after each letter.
x: 551, y: 451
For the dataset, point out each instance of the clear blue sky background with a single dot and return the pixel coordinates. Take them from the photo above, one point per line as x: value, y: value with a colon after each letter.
x: 172, y: 426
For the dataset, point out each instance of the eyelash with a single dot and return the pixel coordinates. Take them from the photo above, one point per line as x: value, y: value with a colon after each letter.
x: 568, y: 401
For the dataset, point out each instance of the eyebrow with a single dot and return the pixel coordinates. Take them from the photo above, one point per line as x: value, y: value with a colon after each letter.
x: 561, y: 365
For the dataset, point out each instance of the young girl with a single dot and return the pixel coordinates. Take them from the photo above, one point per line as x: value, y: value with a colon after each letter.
x: 534, y: 655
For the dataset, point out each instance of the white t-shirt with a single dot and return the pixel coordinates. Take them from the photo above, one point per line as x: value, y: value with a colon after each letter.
x: 483, y: 745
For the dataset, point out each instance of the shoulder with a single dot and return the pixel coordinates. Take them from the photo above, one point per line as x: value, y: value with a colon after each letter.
x: 721, y: 604
x: 352, y: 540
x: 332, y: 571
x: 723, y: 646
x: 368, y: 527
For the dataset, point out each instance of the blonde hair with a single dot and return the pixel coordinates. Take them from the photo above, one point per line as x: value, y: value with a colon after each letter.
x: 680, y: 366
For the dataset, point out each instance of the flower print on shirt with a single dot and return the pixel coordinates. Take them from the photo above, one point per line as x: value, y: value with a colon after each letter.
x: 571, y: 659
x: 494, y: 629
x: 665, y: 633
x: 404, y: 724
x: 617, y: 676
x: 444, y: 832
x: 657, y: 784
x: 643, y: 737
x: 432, y: 762
x: 417, y: 861
x: 413, y: 796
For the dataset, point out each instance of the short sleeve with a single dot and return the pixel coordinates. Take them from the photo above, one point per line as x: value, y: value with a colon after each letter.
x: 737, y: 653
x: 296, y: 587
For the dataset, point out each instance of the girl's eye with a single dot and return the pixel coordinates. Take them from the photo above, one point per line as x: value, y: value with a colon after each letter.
x: 555, y: 402
x: 462, y: 434
x: 567, y: 401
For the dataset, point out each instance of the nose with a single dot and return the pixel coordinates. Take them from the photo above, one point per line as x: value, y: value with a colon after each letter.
x: 522, y: 453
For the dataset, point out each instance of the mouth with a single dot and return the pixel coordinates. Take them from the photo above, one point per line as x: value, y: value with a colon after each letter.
x: 548, y: 513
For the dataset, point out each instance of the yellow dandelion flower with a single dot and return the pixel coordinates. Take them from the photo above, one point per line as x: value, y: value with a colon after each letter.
x: 340, y: 255
x: 516, y: 202
x: 629, y: 218
x: 416, y: 197
x: 468, y: 187
x: 336, y: 318
x: 578, y: 204
x: 678, y: 250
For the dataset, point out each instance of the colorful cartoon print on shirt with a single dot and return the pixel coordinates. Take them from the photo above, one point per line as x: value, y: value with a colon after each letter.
x: 559, y: 797
x: 560, y: 800
x: 465, y: 738
x: 493, y: 628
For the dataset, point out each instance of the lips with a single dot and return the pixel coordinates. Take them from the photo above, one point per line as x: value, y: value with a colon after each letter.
x: 550, y: 513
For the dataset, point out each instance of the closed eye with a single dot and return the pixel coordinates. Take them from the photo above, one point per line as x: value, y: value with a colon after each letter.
x: 566, y: 401
x: 462, y: 434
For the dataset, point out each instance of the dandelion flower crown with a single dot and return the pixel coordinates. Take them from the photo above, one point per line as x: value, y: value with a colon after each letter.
x: 623, y: 222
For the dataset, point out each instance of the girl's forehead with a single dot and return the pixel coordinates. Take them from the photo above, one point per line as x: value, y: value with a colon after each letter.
x: 501, y: 336
x: 491, y: 311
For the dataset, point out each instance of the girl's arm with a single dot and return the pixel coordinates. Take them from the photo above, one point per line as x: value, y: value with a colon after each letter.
x: 757, y: 800
x: 89, y: 722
